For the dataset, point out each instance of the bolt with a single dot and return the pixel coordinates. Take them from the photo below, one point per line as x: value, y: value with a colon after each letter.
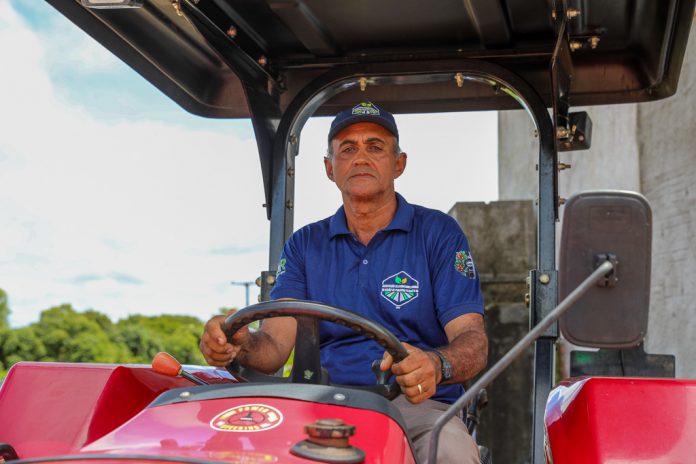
x: 232, y: 32
x: 594, y: 41
x: 459, y: 79
x: 363, y: 83
x: 339, y: 397
x: 575, y: 45
x: 293, y: 139
x: 263, y: 61
x: 544, y: 279
x: 563, y: 166
x: 289, y: 204
x: 258, y: 281
x: 270, y: 279
x: 566, y: 144
x: 581, y: 138
x: 572, y: 13
x: 562, y: 132
x: 291, y: 172
x: 177, y: 7
x: 561, y: 201
x: 184, y: 394
x: 527, y: 299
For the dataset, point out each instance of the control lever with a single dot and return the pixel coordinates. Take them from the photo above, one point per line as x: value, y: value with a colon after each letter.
x: 382, y: 376
x: 166, y: 364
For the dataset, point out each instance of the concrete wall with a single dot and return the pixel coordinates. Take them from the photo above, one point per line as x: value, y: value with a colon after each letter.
x: 647, y: 148
x: 503, y: 242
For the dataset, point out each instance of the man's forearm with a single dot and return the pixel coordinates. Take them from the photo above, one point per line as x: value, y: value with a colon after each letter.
x: 468, y: 354
x: 261, y: 353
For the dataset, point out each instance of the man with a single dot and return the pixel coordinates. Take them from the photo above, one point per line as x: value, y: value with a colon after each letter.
x: 407, y: 267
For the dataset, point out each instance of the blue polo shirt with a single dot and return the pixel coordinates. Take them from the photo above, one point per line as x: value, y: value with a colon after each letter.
x: 414, y: 277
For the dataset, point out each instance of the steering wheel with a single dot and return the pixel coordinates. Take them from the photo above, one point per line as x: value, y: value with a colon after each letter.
x: 307, y: 364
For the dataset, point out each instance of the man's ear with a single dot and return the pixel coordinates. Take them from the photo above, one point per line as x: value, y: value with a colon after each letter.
x: 400, y: 165
x: 329, y: 168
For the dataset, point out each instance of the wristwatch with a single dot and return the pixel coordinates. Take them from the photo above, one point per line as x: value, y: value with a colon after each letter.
x: 446, y: 368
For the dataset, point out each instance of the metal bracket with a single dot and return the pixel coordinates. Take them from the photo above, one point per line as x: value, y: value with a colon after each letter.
x: 579, y: 134
x: 239, y: 60
x: 611, y: 278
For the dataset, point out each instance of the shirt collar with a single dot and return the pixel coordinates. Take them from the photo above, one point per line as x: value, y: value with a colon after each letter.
x: 403, y: 219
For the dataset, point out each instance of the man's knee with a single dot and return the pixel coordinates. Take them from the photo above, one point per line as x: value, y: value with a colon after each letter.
x: 456, y: 445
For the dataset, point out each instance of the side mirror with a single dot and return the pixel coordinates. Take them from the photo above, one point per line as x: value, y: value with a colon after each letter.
x: 597, y: 226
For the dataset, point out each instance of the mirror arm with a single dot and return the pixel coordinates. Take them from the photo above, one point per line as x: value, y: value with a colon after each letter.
x: 521, y: 346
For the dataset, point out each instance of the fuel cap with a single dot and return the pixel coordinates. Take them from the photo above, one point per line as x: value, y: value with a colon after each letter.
x: 328, y: 441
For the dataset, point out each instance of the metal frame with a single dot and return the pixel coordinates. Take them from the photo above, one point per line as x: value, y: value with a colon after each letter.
x: 286, y: 145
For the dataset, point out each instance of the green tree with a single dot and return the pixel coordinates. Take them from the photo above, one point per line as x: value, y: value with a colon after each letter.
x: 80, y: 337
x: 23, y: 344
x: 4, y: 310
x: 178, y: 335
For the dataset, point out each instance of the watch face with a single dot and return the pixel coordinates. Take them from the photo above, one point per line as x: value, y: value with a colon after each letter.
x: 446, y: 366
x: 446, y: 370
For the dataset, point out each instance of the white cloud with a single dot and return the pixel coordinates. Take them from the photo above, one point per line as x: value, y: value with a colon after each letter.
x: 145, y: 217
x: 136, y: 198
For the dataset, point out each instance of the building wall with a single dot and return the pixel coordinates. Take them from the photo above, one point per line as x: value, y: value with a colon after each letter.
x: 648, y: 148
x: 665, y: 134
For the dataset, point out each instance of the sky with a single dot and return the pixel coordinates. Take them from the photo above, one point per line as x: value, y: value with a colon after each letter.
x: 114, y: 198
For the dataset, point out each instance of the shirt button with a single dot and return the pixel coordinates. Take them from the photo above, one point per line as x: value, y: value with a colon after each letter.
x: 364, y: 261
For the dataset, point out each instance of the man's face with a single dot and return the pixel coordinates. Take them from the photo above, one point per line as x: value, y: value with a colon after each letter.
x: 364, y: 163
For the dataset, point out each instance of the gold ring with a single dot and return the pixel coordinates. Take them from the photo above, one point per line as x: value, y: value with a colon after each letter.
x: 420, y: 389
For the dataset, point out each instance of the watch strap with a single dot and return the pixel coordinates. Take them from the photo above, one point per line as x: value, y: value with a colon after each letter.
x: 446, y: 366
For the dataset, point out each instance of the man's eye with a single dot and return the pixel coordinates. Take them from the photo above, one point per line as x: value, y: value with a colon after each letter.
x: 348, y: 150
x: 375, y: 148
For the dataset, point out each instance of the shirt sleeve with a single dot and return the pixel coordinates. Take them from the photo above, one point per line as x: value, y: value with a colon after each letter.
x: 455, y: 280
x: 291, y: 278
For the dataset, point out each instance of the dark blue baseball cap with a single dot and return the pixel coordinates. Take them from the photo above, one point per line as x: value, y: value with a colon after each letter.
x: 363, y: 112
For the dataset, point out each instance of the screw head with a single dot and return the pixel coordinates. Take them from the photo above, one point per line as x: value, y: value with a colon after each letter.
x: 184, y: 394
x: 544, y: 279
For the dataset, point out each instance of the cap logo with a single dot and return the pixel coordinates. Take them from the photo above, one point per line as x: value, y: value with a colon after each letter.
x: 366, y: 108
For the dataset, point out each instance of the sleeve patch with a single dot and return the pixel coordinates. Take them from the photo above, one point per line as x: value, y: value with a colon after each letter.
x: 464, y: 264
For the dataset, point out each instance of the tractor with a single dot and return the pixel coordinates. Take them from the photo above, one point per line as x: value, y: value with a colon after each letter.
x: 280, y: 62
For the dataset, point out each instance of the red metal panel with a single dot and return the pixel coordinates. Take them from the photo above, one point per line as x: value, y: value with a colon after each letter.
x: 55, y: 408
x: 184, y: 429
x: 621, y: 420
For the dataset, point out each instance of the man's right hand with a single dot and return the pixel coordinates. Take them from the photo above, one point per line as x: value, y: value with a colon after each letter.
x: 216, y: 350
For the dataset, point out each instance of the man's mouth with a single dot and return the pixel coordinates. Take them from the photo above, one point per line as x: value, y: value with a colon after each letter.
x: 362, y: 174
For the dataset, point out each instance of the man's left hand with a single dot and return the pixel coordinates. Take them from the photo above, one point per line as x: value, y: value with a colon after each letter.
x: 417, y: 374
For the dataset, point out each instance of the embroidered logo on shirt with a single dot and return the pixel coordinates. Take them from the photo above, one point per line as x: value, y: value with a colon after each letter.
x: 400, y: 289
x: 281, y: 267
x: 464, y: 264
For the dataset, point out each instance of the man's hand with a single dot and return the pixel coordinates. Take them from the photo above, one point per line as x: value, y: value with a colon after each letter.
x: 214, y: 346
x: 417, y: 374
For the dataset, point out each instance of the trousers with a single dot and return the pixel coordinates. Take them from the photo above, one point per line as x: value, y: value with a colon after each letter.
x: 455, y: 444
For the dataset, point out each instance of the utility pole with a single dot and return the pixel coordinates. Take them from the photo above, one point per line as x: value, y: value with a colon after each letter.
x: 246, y: 288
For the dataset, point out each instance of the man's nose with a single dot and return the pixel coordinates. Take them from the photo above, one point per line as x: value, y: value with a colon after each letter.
x: 361, y: 156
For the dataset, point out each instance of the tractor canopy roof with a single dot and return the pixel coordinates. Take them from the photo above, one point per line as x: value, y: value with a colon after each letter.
x: 208, y: 54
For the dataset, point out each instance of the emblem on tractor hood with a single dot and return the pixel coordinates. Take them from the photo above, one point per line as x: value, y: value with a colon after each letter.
x: 247, y: 418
